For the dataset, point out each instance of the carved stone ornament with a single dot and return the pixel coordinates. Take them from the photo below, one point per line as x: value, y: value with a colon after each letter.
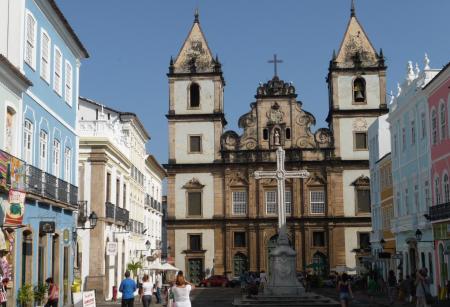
x: 230, y: 140
x: 275, y: 87
x: 362, y: 181
x: 316, y: 179
x: 275, y: 115
x: 360, y: 124
x: 323, y: 137
x: 237, y: 178
x: 194, y: 183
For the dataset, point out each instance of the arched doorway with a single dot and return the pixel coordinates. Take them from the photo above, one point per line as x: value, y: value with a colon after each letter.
x: 319, y: 263
x: 240, y: 264
x: 27, y: 257
x: 442, y: 266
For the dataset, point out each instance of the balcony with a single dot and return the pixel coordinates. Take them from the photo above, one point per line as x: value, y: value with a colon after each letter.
x: 136, y: 227
x: 440, y: 212
x: 116, y: 213
x: 35, y: 182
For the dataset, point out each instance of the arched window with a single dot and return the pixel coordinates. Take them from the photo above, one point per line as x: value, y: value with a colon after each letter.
x: 265, y: 134
x: 10, y: 129
x: 30, y: 40
x: 359, y: 90
x: 194, y: 92
x: 446, y: 189
x: 434, y: 126
x: 288, y: 133
x: 436, y: 191
x: 442, y: 121
x: 28, y: 141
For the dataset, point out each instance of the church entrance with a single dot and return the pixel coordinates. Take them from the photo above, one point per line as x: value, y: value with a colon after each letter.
x: 319, y: 263
x: 240, y: 264
x: 195, y: 270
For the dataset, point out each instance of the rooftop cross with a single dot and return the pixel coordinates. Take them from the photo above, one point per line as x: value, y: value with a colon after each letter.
x: 280, y: 174
x: 275, y: 61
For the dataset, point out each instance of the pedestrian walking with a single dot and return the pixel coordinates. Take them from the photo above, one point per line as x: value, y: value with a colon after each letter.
x: 158, y: 286
x: 127, y: 288
x: 345, y: 290
x: 423, y: 294
x: 146, y: 291
x: 372, y: 289
x: 181, y: 291
x: 392, y: 287
x: 53, y: 293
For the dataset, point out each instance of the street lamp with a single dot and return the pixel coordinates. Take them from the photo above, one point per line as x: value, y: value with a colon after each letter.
x: 418, y: 235
x: 148, y: 245
x: 93, y: 218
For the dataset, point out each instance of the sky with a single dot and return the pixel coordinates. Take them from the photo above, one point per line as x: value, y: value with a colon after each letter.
x: 130, y: 43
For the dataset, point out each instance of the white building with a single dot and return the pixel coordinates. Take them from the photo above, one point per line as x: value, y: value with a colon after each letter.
x: 409, y: 127
x: 114, y: 173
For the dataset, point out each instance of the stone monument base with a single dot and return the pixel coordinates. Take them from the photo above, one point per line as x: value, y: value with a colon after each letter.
x: 306, y: 300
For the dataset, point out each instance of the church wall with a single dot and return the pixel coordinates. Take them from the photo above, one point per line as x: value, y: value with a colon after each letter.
x: 348, y: 126
x: 349, y: 176
x: 182, y: 132
x: 345, y: 93
x: 181, y: 245
x: 181, y: 92
x: 351, y: 242
x: 205, y: 179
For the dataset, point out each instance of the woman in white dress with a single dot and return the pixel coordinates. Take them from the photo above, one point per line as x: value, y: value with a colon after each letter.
x: 181, y: 291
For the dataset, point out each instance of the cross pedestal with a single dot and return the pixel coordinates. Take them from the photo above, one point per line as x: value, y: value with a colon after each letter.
x: 282, y: 265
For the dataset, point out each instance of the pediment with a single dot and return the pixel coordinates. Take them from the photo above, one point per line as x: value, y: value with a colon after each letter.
x: 194, y: 183
x: 361, y: 181
x: 316, y: 180
x: 237, y: 179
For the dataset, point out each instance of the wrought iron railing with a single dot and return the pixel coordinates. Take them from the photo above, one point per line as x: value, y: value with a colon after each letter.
x: 110, y: 210
x: 122, y: 215
x: 440, y: 212
x: 37, y: 182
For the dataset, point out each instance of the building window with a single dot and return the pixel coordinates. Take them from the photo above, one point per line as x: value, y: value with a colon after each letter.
x: 108, y: 187
x: 194, y: 204
x: 194, y: 94
x: 403, y: 139
x: 446, y: 189
x: 360, y: 140
x: 406, y: 201
x: 424, y: 126
x: 413, y: 132
x: 265, y: 134
x: 239, y: 202
x: 317, y: 202
x: 124, y: 196
x: 68, y: 164
x: 239, y: 239
x: 43, y: 148
x: 288, y: 133
x: 359, y: 90
x: 9, y: 131
x: 57, y: 69
x: 364, y: 240
x: 416, y: 197
x: 363, y: 200
x: 68, y: 84
x: 195, y: 242
x: 271, y: 202
x: 45, y: 56
x: 288, y: 202
x: 30, y: 44
x: 395, y: 143
x: 436, y: 191
x: 318, y: 238
x: 195, y: 144
x: 56, y: 157
x: 117, y: 191
x: 427, y: 193
x: 442, y: 121
x: 28, y: 141
x: 434, y: 126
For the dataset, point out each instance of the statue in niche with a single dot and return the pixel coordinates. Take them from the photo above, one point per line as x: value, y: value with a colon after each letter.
x: 276, y: 138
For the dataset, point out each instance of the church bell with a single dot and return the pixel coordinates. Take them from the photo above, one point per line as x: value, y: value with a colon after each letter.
x: 359, y: 94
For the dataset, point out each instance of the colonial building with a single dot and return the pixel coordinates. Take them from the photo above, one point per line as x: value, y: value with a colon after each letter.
x: 438, y: 93
x: 409, y: 130
x: 223, y: 221
x: 381, y: 194
x: 111, y: 167
x: 42, y: 56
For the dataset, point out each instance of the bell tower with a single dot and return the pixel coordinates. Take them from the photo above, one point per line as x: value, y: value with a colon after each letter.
x: 196, y: 114
x: 357, y: 91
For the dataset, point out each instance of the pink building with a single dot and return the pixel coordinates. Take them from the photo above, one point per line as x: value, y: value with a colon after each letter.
x: 438, y: 93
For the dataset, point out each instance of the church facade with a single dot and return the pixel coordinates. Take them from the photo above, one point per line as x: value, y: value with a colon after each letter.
x: 221, y: 220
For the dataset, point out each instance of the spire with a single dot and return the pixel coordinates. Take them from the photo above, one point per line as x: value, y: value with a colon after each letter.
x: 352, y: 9
x: 410, y: 72
x: 196, y: 20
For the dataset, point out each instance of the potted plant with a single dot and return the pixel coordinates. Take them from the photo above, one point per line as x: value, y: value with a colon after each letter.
x: 40, y: 291
x: 25, y: 295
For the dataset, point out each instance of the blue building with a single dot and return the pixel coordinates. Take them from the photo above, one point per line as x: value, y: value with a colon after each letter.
x: 41, y: 240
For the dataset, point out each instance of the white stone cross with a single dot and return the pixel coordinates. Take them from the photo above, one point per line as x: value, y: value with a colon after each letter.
x: 281, y: 175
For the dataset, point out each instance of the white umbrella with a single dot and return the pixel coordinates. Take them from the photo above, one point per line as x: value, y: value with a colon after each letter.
x: 156, y: 266
x: 168, y: 267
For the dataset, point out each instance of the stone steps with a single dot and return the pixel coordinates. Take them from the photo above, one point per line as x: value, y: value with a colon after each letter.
x: 300, y: 301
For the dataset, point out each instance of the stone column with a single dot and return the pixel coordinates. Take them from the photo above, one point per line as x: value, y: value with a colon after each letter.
x: 96, y: 279
x: 219, y: 265
x: 253, y: 265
